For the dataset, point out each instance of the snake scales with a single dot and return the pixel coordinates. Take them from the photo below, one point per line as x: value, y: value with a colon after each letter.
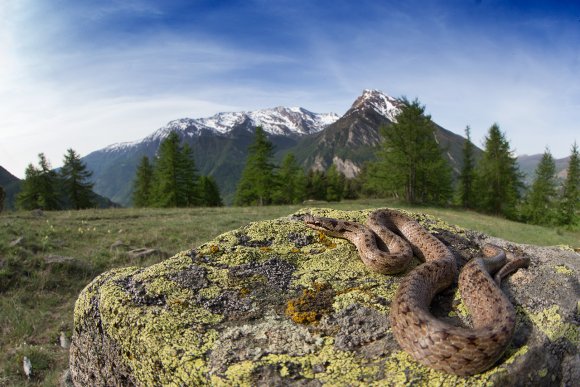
x: 433, y: 342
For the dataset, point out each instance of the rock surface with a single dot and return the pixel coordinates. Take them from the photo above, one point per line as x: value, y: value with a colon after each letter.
x: 276, y: 303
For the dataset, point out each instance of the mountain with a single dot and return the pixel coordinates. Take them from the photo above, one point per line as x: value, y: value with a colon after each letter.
x: 220, y: 143
x: 529, y: 163
x: 11, y: 185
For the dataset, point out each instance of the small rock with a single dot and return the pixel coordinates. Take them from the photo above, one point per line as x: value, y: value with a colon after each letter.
x: 16, y: 242
x: 119, y: 245
x: 144, y: 253
x: 27, y: 365
x: 58, y: 259
x: 64, y: 341
x: 38, y: 213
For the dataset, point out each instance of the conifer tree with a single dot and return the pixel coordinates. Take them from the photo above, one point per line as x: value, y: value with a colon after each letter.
x: 467, y: 175
x: 291, y: 186
x: 570, y: 200
x: 335, y: 184
x: 142, y: 186
x: 190, y: 176
x: 210, y: 193
x: 316, y: 185
x: 39, y: 188
x: 75, y: 176
x: 540, y: 204
x: 498, y: 180
x: 410, y: 161
x: 257, y: 183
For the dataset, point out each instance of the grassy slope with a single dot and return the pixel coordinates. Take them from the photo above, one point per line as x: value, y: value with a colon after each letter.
x: 36, y: 298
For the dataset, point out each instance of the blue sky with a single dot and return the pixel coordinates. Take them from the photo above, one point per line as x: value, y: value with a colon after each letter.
x: 86, y: 74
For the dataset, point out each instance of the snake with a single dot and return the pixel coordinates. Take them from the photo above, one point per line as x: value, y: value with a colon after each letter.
x: 387, y: 243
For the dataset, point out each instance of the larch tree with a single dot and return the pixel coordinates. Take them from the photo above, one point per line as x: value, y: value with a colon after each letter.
x: 2, y: 197
x: 570, y: 199
x: 541, y: 202
x: 143, y: 183
x: 498, y: 180
x: 291, y: 182
x: 467, y: 175
x: 75, y: 181
x: 257, y: 184
x: 39, y: 188
x: 410, y: 161
x: 335, y: 184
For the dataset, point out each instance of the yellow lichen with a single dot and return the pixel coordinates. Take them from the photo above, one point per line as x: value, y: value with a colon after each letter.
x: 562, y: 269
x: 551, y: 323
x: 311, y: 305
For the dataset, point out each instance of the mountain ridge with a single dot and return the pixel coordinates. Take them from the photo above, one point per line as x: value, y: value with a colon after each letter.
x: 220, y: 143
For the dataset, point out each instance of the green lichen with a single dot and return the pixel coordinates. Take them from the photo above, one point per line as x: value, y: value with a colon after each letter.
x: 180, y: 341
x: 562, y: 269
x: 551, y: 323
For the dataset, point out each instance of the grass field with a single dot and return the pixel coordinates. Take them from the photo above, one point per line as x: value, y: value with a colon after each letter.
x: 37, y: 294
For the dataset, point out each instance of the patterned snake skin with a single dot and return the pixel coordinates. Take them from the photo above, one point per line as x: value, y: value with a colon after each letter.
x: 432, y: 342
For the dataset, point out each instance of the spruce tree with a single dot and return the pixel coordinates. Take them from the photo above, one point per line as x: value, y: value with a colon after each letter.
x: 498, y: 180
x: 210, y: 193
x: 467, y: 175
x: 570, y: 200
x: 257, y: 183
x: 39, y: 188
x: 291, y: 186
x: 540, y: 204
x: 410, y: 162
x: 142, y: 186
x: 75, y: 176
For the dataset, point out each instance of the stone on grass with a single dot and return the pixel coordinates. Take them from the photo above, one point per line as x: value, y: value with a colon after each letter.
x: 276, y: 303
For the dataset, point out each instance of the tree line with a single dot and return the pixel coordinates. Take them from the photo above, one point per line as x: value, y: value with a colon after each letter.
x: 263, y: 182
x: 47, y: 189
x: 172, y: 180
x: 411, y: 165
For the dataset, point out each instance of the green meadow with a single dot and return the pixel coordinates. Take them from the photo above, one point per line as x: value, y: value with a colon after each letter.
x: 47, y: 259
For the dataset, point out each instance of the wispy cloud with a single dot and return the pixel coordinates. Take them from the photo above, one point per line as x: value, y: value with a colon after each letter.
x: 89, y: 74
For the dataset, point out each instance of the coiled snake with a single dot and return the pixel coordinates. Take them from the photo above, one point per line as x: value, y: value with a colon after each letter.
x: 433, y: 342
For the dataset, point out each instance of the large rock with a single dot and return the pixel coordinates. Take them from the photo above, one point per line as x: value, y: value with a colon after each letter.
x: 276, y: 303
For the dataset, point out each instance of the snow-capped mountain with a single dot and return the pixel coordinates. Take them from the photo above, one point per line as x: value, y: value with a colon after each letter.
x: 220, y: 143
x: 275, y: 121
x: 279, y: 120
x: 376, y: 100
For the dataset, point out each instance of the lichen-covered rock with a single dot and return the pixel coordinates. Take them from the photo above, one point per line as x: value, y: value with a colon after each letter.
x: 276, y: 303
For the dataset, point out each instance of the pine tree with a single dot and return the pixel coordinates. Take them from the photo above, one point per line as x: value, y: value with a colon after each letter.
x: 210, y: 193
x: 142, y: 186
x: 467, y: 176
x: 291, y: 186
x: 335, y: 184
x: 540, y: 205
x: 257, y: 183
x: 498, y: 180
x: 39, y: 188
x: 570, y: 200
x: 75, y: 176
x: 410, y: 161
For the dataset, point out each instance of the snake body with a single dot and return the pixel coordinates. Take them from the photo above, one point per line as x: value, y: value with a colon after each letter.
x: 382, y: 245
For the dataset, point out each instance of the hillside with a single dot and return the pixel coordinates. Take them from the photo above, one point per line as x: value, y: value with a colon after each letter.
x: 220, y: 143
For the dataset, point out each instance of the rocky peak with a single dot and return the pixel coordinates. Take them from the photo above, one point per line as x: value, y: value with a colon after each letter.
x: 376, y: 100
